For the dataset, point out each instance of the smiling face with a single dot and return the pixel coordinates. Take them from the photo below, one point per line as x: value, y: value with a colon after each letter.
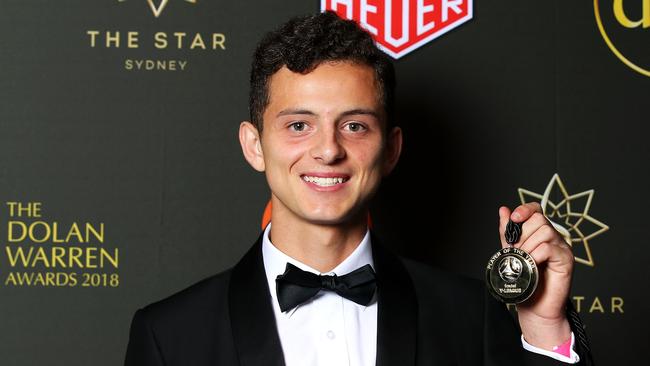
x: 323, y: 147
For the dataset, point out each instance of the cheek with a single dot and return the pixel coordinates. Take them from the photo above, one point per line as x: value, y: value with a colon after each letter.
x: 369, y: 158
x: 282, y: 157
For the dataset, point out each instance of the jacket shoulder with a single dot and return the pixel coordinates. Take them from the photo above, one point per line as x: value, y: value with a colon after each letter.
x: 188, y: 327
x: 194, y: 302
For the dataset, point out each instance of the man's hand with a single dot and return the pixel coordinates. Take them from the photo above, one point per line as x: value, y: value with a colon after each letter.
x: 542, y: 317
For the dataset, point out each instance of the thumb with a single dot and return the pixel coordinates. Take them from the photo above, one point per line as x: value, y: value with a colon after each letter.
x: 504, y: 216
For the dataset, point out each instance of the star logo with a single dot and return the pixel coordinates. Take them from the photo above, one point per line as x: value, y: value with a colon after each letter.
x: 569, y: 214
x: 157, y: 10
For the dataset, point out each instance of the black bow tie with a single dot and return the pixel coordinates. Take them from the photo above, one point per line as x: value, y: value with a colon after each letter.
x: 296, y: 286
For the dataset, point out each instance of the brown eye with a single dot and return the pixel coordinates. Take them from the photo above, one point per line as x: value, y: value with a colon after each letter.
x: 298, y: 126
x: 355, y: 127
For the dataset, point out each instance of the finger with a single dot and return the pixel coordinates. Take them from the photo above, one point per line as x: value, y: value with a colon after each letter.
x: 555, y: 257
x: 543, y: 234
x: 504, y: 216
x: 525, y: 211
x: 530, y: 226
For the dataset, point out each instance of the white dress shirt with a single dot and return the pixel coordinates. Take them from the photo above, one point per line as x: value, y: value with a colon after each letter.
x: 329, y: 329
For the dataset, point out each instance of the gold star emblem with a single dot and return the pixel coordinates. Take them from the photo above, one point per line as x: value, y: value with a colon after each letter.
x: 569, y: 214
x: 157, y: 10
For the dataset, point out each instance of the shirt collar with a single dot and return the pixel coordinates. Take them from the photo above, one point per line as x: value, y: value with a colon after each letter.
x: 275, y: 262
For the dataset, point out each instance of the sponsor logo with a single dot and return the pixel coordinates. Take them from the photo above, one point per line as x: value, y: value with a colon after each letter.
x: 569, y: 214
x: 401, y: 26
x: 158, y: 9
x: 625, y: 27
x: 146, y: 49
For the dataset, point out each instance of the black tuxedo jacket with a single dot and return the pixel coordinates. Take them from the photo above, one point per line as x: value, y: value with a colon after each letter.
x: 425, y: 317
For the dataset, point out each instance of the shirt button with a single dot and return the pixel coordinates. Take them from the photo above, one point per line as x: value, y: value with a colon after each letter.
x: 331, y: 334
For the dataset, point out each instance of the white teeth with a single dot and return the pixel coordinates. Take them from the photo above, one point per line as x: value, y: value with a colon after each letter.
x: 325, y: 182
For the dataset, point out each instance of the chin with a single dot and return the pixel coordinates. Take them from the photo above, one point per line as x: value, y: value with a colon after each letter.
x: 325, y: 219
x: 339, y: 218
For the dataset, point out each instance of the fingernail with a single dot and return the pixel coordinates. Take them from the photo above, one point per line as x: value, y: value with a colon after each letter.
x: 516, y: 216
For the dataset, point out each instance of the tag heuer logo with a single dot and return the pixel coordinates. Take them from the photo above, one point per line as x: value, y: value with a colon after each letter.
x: 401, y: 26
x: 158, y: 9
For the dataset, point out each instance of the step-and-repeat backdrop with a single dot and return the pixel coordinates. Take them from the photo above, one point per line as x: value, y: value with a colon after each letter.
x: 122, y: 180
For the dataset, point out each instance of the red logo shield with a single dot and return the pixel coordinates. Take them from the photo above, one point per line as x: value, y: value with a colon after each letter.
x: 401, y: 26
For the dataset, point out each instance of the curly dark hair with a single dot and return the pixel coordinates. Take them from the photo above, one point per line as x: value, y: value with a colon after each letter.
x: 303, y: 43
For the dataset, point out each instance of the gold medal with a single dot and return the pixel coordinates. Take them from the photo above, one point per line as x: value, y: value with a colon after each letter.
x: 511, y: 273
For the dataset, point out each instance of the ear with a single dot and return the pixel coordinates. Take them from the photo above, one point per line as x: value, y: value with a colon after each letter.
x: 251, y: 145
x: 393, y: 150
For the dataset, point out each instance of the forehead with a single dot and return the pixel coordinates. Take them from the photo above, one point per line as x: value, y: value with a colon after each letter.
x: 330, y: 85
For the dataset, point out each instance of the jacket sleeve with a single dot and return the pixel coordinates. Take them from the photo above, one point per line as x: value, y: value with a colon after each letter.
x: 142, y: 350
x: 498, y: 321
x: 503, y: 345
x: 581, y: 344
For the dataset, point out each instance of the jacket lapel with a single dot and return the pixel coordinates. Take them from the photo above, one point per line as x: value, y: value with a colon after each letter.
x: 397, y: 312
x: 251, y: 314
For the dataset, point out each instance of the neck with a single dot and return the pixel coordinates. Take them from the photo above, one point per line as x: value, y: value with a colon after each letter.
x: 320, y: 246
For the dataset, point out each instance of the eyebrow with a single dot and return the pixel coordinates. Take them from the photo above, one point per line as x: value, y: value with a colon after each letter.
x: 287, y: 112
x: 350, y: 112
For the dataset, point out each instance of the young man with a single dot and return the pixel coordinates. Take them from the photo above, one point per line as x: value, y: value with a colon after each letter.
x: 317, y: 288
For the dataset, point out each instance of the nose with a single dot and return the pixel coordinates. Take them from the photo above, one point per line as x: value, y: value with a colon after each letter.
x: 327, y: 146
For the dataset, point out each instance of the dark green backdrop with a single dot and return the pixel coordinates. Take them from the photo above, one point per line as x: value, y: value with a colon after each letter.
x: 522, y: 91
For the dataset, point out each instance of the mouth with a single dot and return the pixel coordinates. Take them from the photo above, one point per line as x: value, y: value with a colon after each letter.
x: 325, y: 181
